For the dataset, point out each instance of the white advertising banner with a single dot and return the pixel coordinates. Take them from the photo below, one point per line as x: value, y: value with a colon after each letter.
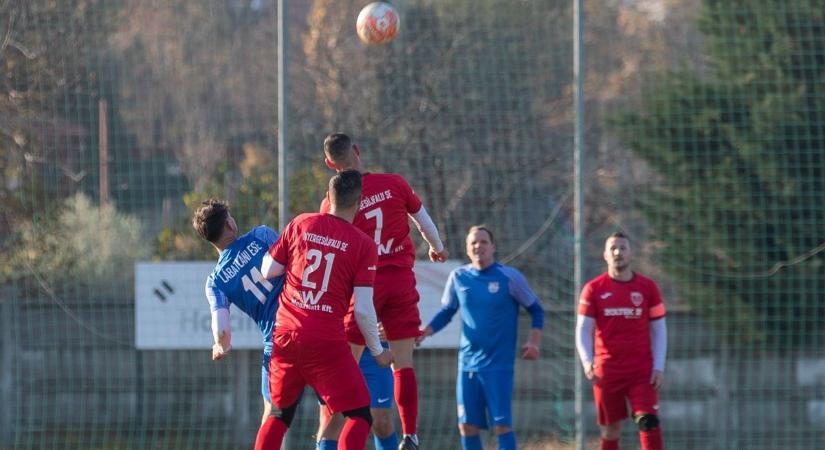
x: 171, y: 312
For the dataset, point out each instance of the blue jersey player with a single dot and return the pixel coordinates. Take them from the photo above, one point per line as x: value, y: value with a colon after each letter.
x: 488, y: 294
x: 237, y: 280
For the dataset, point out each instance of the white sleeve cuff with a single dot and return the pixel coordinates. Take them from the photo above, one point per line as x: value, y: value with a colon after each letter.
x: 366, y: 319
x: 584, y: 339
x: 221, y: 330
x: 427, y: 228
x: 271, y: 268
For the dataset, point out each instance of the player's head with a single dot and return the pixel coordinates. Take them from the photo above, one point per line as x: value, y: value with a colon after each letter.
x: 212, y: 221
x: 481, y: 246
x: 617, y: 251
x: 341, y: 153
x: 345, y: 190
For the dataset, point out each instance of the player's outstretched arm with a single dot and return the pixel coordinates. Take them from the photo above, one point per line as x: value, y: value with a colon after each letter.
x: 429, y: 232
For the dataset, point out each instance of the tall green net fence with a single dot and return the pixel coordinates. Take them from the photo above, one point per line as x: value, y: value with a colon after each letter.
x: 704, y: 140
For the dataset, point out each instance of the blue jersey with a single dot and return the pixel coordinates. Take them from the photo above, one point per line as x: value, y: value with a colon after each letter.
x: 489, y: 300
x: 237, y: 279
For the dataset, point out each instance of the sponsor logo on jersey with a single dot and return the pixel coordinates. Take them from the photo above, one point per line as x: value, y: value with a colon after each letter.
x: 383, y: 400
x: 627, y: 313
x: 492, y: 287
x: 636, y: 298
x: 606, y: 295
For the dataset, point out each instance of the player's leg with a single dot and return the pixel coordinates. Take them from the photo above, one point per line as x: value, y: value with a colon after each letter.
x: 498, y: 391
x: 329, y: 427
x: 285, y: 388
x: 332, y: 371
x: 380, y: 384
x: 267, y: 356
x: 472, y: 405
x: 644, y: 402
x: 611, y: 410
x: 397, y: 309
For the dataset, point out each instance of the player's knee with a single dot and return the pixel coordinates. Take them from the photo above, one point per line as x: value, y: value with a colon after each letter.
x: 285, y: 415
x: 465, y: 429
x: 647, y: 422
x: 363, y: 412
x: 382, y: 422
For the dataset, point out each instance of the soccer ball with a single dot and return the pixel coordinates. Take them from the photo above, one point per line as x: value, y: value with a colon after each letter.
x: 377, y: 23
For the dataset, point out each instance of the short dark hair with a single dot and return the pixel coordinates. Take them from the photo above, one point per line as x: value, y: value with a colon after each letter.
x: 345, y: 189
x: 484, y: 228
x: 210, y: 219
x: 618, y: 235
x: 337, y: 147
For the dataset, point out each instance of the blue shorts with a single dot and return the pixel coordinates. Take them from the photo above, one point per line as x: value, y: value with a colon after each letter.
x: 379, y: 381
x: 265, y: 372
x: 483, y: 394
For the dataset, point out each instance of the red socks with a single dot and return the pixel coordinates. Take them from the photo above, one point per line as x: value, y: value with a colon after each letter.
x: 651, y: 439
x: 354, y: 435
x: 609, y: 445
x: 406, y: 397
x: 270, y: 435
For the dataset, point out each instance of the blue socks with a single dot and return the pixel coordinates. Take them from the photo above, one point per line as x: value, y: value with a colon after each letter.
x: 471, y: 443
x: 388, y: 443
x: 327, y: 444
x: 507, y: 441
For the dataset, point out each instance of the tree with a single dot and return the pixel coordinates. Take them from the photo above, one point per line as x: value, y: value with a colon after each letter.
x: 739, y: 160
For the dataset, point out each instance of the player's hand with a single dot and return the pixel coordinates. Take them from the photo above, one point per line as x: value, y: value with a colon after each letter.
x: 423, y: 333
x: 436, y: 256
x: 382, y: 333
x: 590, y: 374
x: 657, y: 379
x: 530, y: 351
x: 385, y: 358
x: 219, y: 352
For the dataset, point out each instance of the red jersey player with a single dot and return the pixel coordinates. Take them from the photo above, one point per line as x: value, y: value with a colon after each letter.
x: 387, y: 202
x: 327, y: 262
x: 626, y: 311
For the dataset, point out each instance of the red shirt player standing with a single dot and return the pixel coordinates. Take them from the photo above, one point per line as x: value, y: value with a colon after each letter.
x: 626, y: 311
x: 387, y: 202
x: 327, y: 261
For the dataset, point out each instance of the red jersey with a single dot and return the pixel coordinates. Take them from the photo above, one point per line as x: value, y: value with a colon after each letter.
x: 622, y: 311
x: 386, y: 199
x: 325, y: 258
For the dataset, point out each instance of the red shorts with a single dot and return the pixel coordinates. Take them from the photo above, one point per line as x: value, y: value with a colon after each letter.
x: 396, y: 305
x: 327, y: 366
x: 612, y: 398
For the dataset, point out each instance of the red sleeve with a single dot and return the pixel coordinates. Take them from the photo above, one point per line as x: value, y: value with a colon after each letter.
x: 280, y: 249
x: 411, y: 200
x: 324, y: 209
x: 587, y: 307
x: 656, y: 305
x: 366, y: 264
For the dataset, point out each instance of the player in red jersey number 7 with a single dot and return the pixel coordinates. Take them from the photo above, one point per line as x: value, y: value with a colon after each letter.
x: 626, y: 312
x: 387, y: 204
x: 327, y: 262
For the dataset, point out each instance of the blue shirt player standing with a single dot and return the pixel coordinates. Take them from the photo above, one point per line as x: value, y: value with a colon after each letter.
x: 488, y: 294
x: 237, y: 280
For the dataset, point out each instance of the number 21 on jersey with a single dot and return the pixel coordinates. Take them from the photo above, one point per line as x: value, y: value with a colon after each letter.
x: 378, y: 215
x: 314, y: 258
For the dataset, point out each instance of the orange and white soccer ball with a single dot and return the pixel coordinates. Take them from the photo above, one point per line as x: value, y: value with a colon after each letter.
x: 377, y: 23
